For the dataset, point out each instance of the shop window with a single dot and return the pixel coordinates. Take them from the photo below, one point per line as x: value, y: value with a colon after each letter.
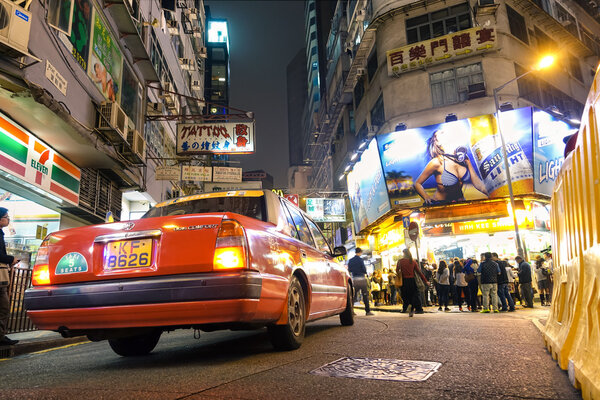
x: 377, y: 112
x: 451, y: 86
x: 372, y: 64
x: 517, y: 25
x: 438, y: 23
x: 60, y: 15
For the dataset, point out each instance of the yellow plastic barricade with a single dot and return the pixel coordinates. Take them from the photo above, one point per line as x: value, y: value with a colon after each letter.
x: 572, y: 333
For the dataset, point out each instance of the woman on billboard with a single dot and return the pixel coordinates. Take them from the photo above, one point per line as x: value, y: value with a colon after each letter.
x: 451, y: 171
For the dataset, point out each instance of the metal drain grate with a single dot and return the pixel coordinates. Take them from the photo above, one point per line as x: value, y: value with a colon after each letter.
x: 379, y: 368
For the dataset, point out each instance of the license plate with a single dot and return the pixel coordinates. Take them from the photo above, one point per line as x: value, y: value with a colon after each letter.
x: 128, y: 254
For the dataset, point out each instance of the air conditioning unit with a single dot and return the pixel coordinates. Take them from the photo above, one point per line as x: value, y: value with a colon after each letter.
x: 483, y: 3
x: 196, y: 85
x: 361, y: 15
x: 172, y: 103
x: 361, y: 71
x: 169, y: 98
x: 187, y: 64
x: 476, y: 90
x: 173, y: 27
x: 202, y: 52
x: 565, y: 22
x: 373, y: 130
x: 197, y: 32
x: 138, y: 145
x: 15, y: 24
x: 154, y: 108
x: 112, y: 120
x: 192, y: 13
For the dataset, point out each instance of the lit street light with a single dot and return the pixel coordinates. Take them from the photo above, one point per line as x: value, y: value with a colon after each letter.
x: 545, y: 62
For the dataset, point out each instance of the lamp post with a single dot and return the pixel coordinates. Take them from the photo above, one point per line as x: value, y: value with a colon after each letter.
x: 545, y: 62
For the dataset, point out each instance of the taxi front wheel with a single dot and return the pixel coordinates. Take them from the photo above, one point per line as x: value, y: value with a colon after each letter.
x: 347, y: 316
x: 291, y: 335
x: 138, y: 345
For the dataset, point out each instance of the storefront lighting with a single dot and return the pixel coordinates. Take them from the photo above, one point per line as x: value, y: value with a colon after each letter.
x: 354, y: 157
x: 347, y: 168
x: 362, y: 145
x: 575, y: 121
x: 341, y: 177
x: 545, y: 62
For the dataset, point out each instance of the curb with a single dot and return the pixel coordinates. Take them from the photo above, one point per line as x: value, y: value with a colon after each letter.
x: 26, y: 347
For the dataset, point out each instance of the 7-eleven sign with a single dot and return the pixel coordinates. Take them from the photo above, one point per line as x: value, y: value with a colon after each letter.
x: 28, y: 158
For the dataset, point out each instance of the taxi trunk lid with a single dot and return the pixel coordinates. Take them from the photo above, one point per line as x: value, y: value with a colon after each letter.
x: 147, y: 247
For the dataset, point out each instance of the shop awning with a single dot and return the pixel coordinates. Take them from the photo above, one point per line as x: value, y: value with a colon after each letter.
x: 469, y: 212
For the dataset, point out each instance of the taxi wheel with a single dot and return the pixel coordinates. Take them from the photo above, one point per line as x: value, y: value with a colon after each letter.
x: 291, y: 335
x: 138, y: 345
x: 347, y: 316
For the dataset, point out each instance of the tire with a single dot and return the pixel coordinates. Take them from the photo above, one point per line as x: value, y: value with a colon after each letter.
x: 138, y: 345
x: 291, y: 335
x: 347, y: 316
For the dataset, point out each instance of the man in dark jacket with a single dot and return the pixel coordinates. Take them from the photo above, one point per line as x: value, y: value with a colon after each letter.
x: 505, y: 298
x: 524, y: 273
x: 356, y: 267
x: 5, y: 262
x: 489, y: 271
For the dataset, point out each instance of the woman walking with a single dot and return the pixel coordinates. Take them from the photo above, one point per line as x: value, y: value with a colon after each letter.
x: 462, y: 290
x: 410, y: 294
x: 443, y: 276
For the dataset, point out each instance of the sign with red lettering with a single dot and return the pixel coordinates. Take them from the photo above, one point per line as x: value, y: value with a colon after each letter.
x: 215, y: 137
x: 440, y: 49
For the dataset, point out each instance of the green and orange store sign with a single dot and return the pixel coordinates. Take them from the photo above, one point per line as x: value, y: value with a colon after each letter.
x: 28, y: 158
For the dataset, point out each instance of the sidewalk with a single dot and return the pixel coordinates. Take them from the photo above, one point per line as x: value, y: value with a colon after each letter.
x: 32, y: 341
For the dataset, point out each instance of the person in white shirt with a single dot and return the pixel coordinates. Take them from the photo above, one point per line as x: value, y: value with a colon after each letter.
x: 462, y: 288
x: 443, y: 277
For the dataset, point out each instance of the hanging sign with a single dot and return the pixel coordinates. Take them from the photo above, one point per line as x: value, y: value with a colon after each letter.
x: 163, y: 173
x: 227, y: 174
x: 196, y: 173
x: 215, y: 137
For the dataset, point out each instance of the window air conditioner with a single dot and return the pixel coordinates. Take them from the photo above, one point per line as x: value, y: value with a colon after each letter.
x: 476, y: 90
x: 154, y: 108
x: 360, y: 71
x: 361, y: 14
x: 187, y: 64
x: 202, y: 52
x: 137, y: 143
x: 172, y: 103
x: 192, y: 13
x: 173, y: 27
x: 373, y: 130
x: 112, y: 119
x: 196, y: 85
x: 15, y: 24
x: 483, y: 3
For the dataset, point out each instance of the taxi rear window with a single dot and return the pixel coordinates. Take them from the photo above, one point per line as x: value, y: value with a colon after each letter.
x: 253, y: 207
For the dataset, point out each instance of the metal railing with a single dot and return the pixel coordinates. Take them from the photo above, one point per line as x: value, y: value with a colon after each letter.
x: 20, y: 280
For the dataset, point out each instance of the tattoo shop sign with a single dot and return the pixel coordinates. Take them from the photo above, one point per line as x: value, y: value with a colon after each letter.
x: 441, y: 49
x: 215, y: 137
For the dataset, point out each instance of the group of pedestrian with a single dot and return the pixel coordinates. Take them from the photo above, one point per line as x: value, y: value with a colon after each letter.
x: 485, y: 285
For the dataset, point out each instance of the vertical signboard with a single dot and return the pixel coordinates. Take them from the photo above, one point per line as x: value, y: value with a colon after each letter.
x: 106, y: 61
x: 366, y: 188
x: 81, y: 28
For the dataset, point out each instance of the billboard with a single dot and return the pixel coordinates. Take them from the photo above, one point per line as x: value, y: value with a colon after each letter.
x: 106, y: 60
x: 367, y: 188
x: 326, y: 210
x: 215, y: 137
x: 457, y: 161
x: 548, y: 147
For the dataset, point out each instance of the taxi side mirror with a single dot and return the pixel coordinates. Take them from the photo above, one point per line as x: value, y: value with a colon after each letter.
x: 339, y: 251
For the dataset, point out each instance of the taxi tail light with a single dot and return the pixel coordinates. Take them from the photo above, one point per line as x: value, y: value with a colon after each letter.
x: 41, y: 269
x: 231, y: 247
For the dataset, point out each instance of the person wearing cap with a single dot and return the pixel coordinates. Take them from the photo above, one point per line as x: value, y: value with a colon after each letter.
x: 524, y: 274
x: 6, y: 261
x: 356, y: 267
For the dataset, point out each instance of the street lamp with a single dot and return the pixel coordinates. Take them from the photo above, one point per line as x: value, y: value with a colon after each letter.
x: 545, y: 62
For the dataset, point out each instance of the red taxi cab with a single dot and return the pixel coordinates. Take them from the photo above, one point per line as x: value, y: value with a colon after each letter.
x: 226, y: 260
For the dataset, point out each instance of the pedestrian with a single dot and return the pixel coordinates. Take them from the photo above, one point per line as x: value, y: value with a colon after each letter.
x: 473, y: 285
x: 462, y: 288
x: 392, y: 286
x: 6, y: 262
x: 550, y: 268
x: 489, y: 271
x: 410, y: 294
x: 356, y: 267
x: 541, y: 274
x: 503, y: 293
x: 432, y: 284
x: 423, y: 292
x: 512, y: 286
x: 443, y: 277
x: 376, y: 287
x: 524, y: 274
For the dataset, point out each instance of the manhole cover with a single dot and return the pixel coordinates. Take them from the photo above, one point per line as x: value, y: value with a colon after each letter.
x: 379, y: 368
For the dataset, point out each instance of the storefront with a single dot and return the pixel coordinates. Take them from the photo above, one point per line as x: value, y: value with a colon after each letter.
x: 35, y: 182
x: 453, y: 183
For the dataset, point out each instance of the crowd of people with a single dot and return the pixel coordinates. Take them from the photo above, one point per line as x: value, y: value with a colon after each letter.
x: 488, y: 284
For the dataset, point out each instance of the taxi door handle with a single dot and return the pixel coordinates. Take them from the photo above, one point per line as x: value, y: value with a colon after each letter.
x: 303, y: 253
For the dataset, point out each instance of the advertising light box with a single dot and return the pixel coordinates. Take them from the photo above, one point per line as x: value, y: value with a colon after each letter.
x: 366, y: 188
x: 457, y: 161
x: 326, y: 210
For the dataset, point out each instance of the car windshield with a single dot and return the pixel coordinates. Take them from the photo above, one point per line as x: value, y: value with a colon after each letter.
x: 252, y: 207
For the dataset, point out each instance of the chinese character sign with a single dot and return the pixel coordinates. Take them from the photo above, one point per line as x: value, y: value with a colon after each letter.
x: 215, y: 137
x: 418, y: 55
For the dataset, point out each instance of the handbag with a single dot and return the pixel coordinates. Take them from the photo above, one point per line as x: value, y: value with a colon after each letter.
x: 375, y: 287
x: 469, y: 277
x: 418, y: 281
x: 4, y: 275
x: 399, y: 281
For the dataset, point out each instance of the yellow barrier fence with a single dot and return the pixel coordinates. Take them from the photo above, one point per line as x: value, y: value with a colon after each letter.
x: 572, y: 333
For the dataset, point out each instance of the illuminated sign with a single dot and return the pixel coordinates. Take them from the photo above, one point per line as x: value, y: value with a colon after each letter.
x: 326, y: 210
x: 489, y: 226
x: 441, y: 49
x: 215, y: 137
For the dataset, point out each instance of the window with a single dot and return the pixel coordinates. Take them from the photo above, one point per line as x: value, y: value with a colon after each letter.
x: 544, y: 43
x: 451, y: 86
x: 291, y: 227
x: 252, y: 207
x: 574, y: 67
x: 301, y: 226
x: 60, y: 14
x: 438, y: 23
x: 313, y: 36
x: 359, y: 91
x: 322, y: 244
x: 377, y: 112
x: 517, y: 25
x: 372, y: 65
x: 313, y: 51
x: 566, y: 19
x: 315, y: 64
x: 362, y: 132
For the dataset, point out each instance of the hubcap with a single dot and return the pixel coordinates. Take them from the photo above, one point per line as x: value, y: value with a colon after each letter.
x: 296, y: 312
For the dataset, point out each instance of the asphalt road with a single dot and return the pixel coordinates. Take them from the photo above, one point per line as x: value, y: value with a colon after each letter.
x: 482, y: 356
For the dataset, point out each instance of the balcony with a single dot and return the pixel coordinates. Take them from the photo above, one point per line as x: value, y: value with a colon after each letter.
x: 130, y: 31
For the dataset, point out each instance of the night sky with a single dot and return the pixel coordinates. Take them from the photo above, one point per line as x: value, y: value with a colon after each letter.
x: 264, y: 36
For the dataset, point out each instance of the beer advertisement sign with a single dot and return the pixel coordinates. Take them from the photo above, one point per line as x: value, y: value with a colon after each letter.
x: 457, y: 161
